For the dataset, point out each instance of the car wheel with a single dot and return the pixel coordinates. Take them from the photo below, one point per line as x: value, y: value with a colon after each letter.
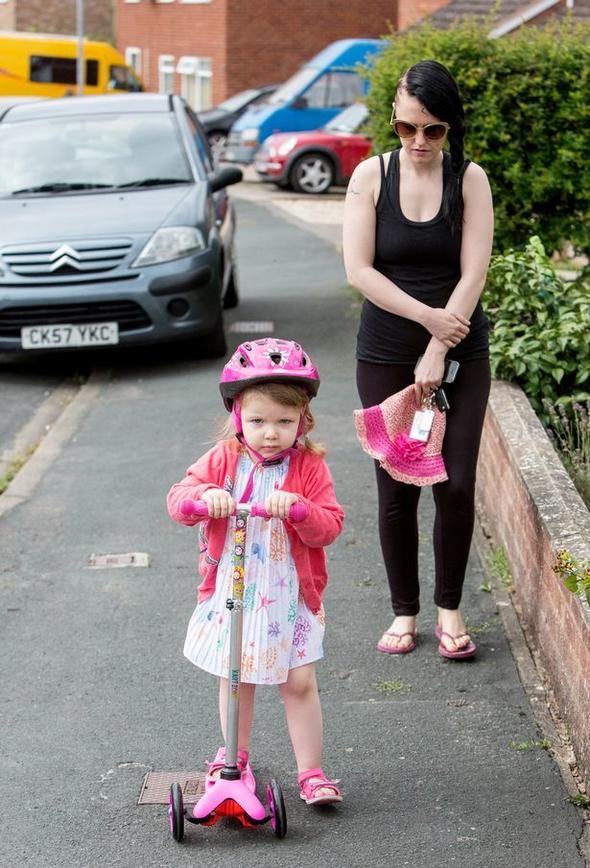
x: 213, y: 345
x: 217, y: 142
x: 231, y: 297
x: 312, y: 173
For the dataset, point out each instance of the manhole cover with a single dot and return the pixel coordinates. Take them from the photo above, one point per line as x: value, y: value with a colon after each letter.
x: 154, y: 790
x: 129, y: 559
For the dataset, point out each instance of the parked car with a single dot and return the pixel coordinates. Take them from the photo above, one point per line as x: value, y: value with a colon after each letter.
x: 320, y: 90
x: 117, y: 229
x: 218, y: 120
x: 311, y: 162
x: 45, y: 65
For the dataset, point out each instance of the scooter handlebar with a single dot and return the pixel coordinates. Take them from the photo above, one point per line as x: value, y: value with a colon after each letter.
x: 199, y: 509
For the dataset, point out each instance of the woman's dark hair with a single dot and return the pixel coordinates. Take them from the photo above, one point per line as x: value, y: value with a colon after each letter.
x: 433, y: 85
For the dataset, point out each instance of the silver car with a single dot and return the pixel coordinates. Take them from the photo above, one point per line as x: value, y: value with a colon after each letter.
x: 116, y: 226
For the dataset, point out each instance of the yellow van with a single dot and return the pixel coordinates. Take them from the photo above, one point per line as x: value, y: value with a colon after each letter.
x: 44, y: 65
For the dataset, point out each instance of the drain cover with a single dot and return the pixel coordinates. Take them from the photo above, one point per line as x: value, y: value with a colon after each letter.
x: 154, y: 790
x: 129, y: 559
x: 265, y: 327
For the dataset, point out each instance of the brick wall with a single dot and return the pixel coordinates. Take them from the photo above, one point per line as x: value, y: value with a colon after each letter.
x: 410, y: 11
x: 531, y: 508
x: 7, y: 15
x: 55, y: 16
x: 271, y: 44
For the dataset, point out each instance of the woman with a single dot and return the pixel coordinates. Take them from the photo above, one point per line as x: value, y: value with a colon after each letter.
x: 418, y: 227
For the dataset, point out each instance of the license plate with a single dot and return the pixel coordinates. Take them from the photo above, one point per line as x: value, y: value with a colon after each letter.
x: 44, y: 337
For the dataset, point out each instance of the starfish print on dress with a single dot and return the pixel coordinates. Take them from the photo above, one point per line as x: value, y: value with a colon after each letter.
x: 301, y: 654
x: 264, y: 602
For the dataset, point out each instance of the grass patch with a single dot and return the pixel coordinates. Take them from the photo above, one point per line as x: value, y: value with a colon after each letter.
x: 13, y: 468
x: 534, y: 744
x: 498, y: 566
x: 476, y: 629
x: 391, y: 686
x: 580, y: 801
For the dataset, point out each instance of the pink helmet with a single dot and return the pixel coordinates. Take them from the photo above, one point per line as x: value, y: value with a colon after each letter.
x: 267, y: 360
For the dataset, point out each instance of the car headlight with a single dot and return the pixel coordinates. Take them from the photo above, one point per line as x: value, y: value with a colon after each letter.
x: 250, y: 136
x: 287, y: 146
x: 171, y: 242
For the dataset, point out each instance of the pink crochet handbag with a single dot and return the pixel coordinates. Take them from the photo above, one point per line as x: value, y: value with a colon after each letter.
x: 384, y: 434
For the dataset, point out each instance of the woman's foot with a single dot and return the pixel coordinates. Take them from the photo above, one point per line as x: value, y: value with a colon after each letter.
x: 451, y: 631
x: 401, y: 636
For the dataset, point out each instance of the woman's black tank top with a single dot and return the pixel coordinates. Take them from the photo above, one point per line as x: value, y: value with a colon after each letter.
x: 422, y: 259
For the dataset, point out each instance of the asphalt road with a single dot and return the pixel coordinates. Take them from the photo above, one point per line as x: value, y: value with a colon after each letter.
x: 441, y: 762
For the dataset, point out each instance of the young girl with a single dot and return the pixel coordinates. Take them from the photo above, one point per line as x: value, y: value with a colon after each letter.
x: 267, y: 458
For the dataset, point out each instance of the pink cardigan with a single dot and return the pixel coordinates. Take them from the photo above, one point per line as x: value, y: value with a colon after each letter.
x: 308, y: 476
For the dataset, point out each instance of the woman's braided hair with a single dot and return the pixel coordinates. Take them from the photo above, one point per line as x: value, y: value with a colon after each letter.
x: 433, y: 85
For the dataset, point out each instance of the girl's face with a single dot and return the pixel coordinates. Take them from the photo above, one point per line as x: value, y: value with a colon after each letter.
x: 420, y: 149
x: 268, y: 427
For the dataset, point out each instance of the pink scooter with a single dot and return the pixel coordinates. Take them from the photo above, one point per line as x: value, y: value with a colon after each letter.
x: 233, y: 793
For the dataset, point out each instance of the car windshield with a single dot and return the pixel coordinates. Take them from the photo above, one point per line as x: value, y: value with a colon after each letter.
x: 233, y: 103
x: 349, y: 120
x: 293, y: 86
x: 61, y: 155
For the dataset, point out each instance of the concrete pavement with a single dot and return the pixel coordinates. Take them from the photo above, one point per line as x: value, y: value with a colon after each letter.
x: 441, y: 762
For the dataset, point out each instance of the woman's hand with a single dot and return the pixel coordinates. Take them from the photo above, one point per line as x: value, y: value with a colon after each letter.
x: 220, y: 503
x: 428, y: 376
x: 279, y: 503
x: 448, y: 328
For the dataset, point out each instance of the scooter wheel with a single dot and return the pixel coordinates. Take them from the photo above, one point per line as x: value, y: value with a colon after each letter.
x: 176, y: 812
x: 276, y: 807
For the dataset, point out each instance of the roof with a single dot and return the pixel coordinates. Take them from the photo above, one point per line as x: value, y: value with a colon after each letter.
x: 506, y: 15
x: 79, y: 105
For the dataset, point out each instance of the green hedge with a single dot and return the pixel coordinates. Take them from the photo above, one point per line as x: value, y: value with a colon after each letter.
x: 540, y: 327
x: 527, y: 105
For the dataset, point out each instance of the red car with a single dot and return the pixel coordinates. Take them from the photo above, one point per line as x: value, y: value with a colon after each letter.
x: 314, y: 160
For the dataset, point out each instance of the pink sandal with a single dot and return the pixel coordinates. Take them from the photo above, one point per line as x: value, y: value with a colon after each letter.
x: 313, y: 780
x: 243, y: 764
x: 463, y: 653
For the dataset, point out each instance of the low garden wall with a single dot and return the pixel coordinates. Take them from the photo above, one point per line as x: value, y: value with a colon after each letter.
x: 529, y: 506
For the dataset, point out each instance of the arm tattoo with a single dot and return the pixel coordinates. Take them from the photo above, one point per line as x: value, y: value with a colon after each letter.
x: 352, y: 187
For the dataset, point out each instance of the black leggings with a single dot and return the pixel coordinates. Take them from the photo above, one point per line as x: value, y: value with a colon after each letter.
x: 454, y: 500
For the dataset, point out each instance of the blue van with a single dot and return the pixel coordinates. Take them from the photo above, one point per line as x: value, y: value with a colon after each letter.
x: 309, y: 99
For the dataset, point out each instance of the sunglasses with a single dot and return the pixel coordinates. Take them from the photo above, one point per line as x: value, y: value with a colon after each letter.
x: 432, y: 132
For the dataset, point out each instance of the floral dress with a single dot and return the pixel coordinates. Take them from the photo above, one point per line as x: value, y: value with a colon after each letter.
x: 279, y: 631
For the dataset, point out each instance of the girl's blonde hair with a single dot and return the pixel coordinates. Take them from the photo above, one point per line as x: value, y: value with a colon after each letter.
x: 289, y: 396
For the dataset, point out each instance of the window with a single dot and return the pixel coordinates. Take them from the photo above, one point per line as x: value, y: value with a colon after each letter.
x: 201, y: 143
x: 166, y: 73
x: 345, y: 88
x: 60, y: 70
x: 133, y: 59
x: 195, y: 81
x: 334, y: 90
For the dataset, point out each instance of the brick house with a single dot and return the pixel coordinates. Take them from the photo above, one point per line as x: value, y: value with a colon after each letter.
x: 210, y: 49
x: 55, y: 16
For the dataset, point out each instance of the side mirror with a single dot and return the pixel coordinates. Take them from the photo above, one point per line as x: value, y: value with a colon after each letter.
x: 224, y: 177
x: 300, y: 102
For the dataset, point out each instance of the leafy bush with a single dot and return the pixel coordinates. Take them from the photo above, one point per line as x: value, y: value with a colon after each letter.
x: 540, y: 327
x: 527, y: 108
x: 575, y: 575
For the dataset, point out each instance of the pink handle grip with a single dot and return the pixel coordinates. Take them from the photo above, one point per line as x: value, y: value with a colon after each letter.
x: 199, y: 508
